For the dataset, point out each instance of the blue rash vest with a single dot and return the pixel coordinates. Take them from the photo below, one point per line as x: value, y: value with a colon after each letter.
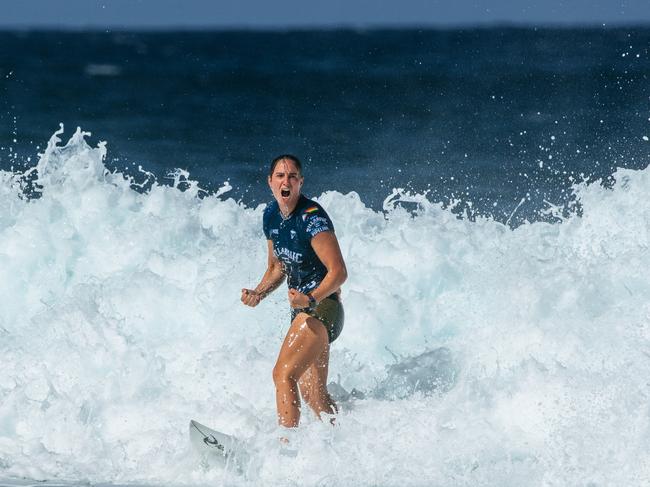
x: 291, y: 239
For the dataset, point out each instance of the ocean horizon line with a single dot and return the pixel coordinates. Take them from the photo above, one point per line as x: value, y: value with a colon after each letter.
x: 331, y: 27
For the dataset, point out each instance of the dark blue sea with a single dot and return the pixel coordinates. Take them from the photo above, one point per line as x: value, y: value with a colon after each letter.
x: 483, y: 117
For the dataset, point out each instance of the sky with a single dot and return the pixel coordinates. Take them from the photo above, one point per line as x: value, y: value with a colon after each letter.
x: 157, y: 14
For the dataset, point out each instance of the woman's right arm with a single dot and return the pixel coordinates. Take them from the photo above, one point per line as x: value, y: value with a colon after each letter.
x: 271, y: 279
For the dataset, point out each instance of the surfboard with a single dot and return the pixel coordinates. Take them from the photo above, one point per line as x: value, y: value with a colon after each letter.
x: 220, y: 446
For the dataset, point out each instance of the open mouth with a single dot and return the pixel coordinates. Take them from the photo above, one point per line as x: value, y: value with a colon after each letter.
x: 285, y: 193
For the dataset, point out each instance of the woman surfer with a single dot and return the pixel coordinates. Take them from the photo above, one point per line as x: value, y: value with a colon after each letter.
x: 303, y: 248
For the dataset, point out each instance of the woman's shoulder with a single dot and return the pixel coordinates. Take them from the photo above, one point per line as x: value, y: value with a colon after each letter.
x: 314, y: 218
x: 272, y: 209
x: 308, y: 207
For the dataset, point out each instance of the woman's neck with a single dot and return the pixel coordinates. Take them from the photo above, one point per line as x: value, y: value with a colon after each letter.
x: 286, y: 211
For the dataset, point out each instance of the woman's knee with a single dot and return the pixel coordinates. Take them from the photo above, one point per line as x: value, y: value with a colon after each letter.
x: 281, y: 373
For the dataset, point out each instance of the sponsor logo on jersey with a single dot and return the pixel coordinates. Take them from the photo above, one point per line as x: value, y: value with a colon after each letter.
x: 293, y: 234
x: 309, y: 211
x: 274, y: 231
x: 316, y: 225
x: 288, y: 255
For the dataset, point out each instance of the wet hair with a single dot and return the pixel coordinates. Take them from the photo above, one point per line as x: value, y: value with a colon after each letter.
x: 289, y: 157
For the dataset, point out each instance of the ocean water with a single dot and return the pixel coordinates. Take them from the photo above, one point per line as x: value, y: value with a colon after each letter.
x: 480, y: 117
x: 484, y: 345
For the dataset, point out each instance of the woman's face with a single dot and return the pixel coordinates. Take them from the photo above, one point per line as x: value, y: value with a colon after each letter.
x: 285, y: 183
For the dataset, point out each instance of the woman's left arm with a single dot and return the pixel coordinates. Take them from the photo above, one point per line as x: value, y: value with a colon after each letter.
x: 328, y: 251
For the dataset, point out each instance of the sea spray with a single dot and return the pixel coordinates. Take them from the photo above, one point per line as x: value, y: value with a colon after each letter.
x: 121, y: 321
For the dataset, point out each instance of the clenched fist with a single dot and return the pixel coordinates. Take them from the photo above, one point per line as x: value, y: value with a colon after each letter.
x: 250, y: 297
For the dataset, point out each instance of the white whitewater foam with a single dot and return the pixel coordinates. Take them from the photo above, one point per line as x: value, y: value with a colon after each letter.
x: 121, y: 320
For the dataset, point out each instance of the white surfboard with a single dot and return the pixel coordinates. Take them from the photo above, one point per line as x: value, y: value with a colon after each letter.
x: 217, y: 445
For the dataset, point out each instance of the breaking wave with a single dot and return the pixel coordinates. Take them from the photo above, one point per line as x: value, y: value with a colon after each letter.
x: 473, y: 353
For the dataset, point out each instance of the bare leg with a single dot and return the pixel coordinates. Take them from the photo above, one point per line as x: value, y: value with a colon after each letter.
x: 313, y: 385
x: 304, y: 343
